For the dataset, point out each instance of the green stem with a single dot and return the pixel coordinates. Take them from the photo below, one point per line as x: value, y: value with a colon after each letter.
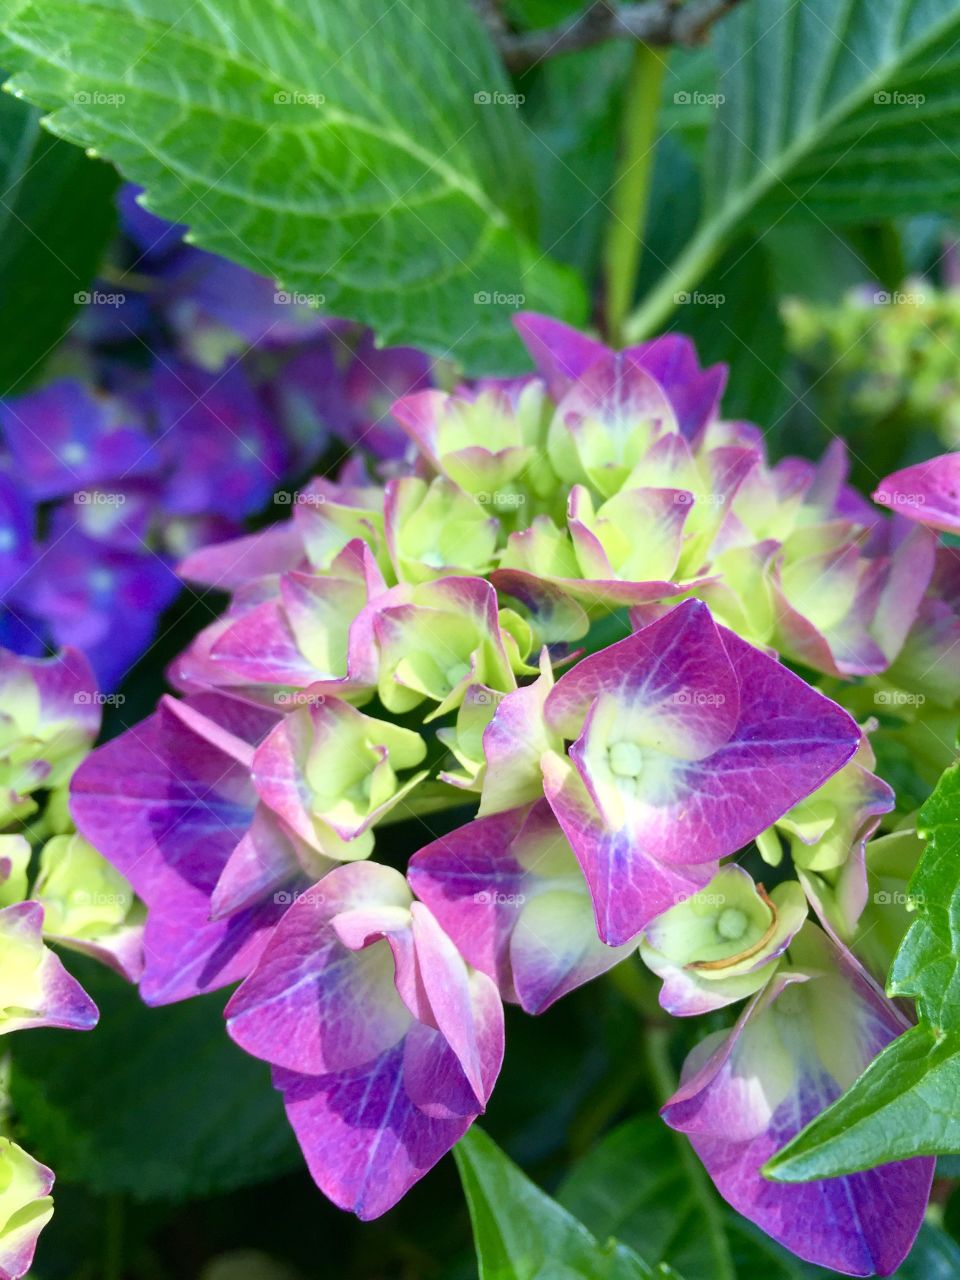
x: 657, y: 1045
x: 631, y: 187
x: 113, y: 1239
x: 689, y: 269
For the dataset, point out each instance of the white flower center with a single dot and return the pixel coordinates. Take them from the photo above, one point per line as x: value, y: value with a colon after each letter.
x: 732, y: 924
x: 626, y: 759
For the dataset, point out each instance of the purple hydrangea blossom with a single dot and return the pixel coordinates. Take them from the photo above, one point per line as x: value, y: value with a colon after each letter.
x: 110, y: 475
x: 433, y: 636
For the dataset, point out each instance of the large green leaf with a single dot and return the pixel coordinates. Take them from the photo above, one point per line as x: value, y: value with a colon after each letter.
x: 155, y: 1103
x: 520, y: 1233
x: 905, y: 1103
x: 366, y: 154
x: 56, y: 217
x: 838, y: 112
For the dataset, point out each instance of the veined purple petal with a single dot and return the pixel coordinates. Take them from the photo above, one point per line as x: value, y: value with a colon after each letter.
x: 628, y: 885
x: 674, y: 677
x: 365, y: 1140
x: 509, y: 892
x: 694, y: 392
x: 316, y: 1005
x: 745, y: 1094
x: 384, y: 1045
x: 168, y: 806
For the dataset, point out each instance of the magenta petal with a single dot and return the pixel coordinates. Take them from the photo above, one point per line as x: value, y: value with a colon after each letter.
x: 465, y: 1007
x: 676, y: 670
x: 744, y: 1095
x: 366, y: 1142
x: 168, y: 806
x: 560, y: 353
x: 383, y: 1043
x: 313, y: 1004
x: 928, y: 492
x: 229, y: 565
x: 694, y: 392
x: 269, y: 859
x: 508, y: 891
x: 628, y: 885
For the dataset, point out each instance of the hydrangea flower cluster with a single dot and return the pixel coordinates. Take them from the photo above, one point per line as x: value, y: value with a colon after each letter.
x: 189, y: 392
x: 450, y: 638
x: 49, y: 718
x: 875, y: 347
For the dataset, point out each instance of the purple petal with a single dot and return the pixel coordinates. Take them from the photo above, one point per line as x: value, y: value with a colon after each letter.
x: 628, y: 886
x: 167, y: 803
x: 928, y: 492
x: 230, y: 565
x: 745, y: 1094
x: 677, y: 675
x: 561, y: 354
x: 694, y: 393
x: 64, y: 440
x: 365, y: 1140
x: 509, y: 893
x: 315, y: 1005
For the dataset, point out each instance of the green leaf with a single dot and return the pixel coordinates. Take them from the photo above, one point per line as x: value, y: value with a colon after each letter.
x: 841, y: 113
x: 155, y: 1103
x: 56, y: 218
x: 927, y: 966
x: 365, y: 154
x: 520, y: 1233
x: 631, y: 1185
x: 905, y: 1103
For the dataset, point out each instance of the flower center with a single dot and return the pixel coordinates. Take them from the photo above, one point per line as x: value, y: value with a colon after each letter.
x: 732, y: 924
x: 626, y: 759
